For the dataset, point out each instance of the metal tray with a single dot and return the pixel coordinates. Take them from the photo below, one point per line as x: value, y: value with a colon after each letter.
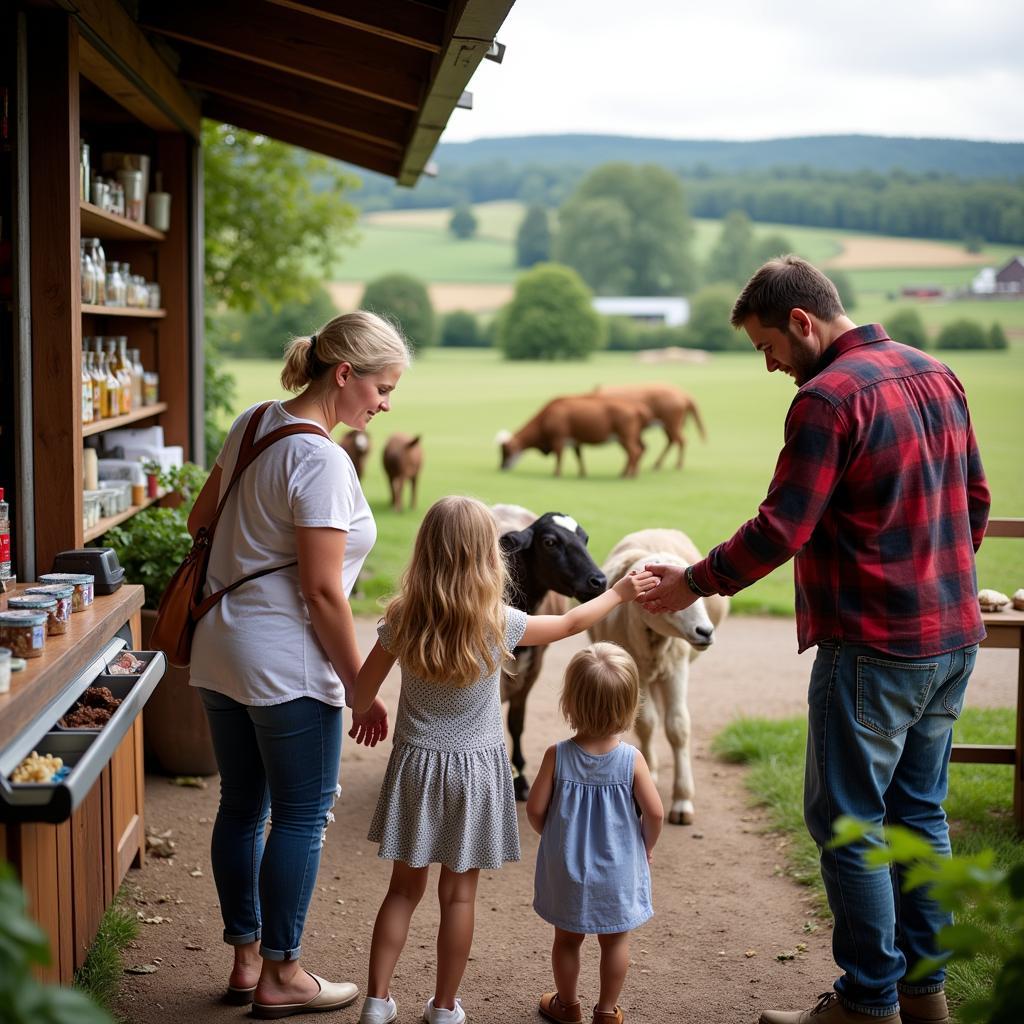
x: 86, y: 751
x: 119, y: 685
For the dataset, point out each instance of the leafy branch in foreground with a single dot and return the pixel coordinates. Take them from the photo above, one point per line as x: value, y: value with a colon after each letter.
x: 994, y: 897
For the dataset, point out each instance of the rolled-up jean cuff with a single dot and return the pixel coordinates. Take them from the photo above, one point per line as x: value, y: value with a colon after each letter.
x: 870, y: 1011
x: 280, y: 954
x: 920, y: 990
x: 242, y: 940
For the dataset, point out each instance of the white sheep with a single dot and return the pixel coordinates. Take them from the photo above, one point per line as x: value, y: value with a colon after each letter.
x: 663, y: 647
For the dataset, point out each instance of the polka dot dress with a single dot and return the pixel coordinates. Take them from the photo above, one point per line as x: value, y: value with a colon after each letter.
x: 447, y: 796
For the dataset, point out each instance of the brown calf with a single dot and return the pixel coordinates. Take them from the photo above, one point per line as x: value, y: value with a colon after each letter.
x: 576, y: 420
x: 403, y: 457
x: 357, y: 444
x: 667, y: 406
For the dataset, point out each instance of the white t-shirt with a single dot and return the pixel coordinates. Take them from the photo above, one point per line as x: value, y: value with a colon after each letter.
x: 257, y: 645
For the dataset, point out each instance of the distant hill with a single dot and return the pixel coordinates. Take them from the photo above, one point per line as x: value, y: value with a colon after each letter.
x: 960, y: 157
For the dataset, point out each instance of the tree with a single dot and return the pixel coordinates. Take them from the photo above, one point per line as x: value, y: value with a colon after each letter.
x: 997, y: 337
x: 533, y: 239
x: 274, y: 217
x: 626, y: 230
x: 404, y: 299
x: 461, y: 330
x: 265, y: 332
x: 768, y: 247
x: 709, y: 326
x: 844, y: 286
x: 962, y: 334
x: 732, y: 259
x: 906, y: 325
x: 463, y: 223
x: 550, y: 317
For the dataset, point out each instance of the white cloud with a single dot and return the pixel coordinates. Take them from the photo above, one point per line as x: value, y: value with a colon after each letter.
x: 746, y: 69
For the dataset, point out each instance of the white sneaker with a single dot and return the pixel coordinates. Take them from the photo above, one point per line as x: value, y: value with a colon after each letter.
x: 378, y: 1011
x: 439, y: 1015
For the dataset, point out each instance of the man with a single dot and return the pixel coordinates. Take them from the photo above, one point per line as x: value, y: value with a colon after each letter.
x: 880, y: 496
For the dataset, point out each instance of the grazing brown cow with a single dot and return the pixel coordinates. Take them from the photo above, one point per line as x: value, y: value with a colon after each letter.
x: 574, y: 421
x: 403, y: 458
x: 357, y: 444
x: 667, y: 406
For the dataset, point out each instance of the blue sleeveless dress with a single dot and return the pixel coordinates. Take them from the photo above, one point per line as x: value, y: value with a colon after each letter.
x: 592, y: 874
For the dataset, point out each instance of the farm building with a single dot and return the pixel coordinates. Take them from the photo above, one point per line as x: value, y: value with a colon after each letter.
x: 660, y: 310
x: 1007, y: 280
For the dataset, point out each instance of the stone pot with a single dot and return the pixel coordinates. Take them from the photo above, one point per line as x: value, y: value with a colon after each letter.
x: 176, y: 732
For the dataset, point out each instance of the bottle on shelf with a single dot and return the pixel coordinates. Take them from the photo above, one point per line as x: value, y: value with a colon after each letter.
x: 126, y: 368
x: 115, y: 284
x: 99, y: 259
x: 137, y: 377
x: 113, y: 403
x: 87, y: 274
x: 87, y: 409
x: 96, y: 381
x: 5, y: 539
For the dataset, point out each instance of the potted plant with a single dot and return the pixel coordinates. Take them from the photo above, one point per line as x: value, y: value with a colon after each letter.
x: 151, y: 546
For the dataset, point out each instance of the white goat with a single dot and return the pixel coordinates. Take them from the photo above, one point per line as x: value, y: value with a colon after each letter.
x: 663, y: 647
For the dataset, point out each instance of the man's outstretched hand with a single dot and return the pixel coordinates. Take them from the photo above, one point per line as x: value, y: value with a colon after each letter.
x: 672, y: 594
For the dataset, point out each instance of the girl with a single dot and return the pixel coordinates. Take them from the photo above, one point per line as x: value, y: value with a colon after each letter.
x: 447, y: 796
x: 592, y: 866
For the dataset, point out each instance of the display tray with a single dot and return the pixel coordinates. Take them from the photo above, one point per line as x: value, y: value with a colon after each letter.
x: 119, y: 685
x: 85, y: 751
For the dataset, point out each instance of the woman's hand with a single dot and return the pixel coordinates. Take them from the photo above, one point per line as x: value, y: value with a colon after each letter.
x: 370, y: 727
x: 634, y: 583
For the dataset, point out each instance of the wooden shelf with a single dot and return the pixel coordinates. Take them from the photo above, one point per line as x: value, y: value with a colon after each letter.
x: 97, y: 223
x: 113, y: 422
x: 109, y: 522
x: 149, y: 314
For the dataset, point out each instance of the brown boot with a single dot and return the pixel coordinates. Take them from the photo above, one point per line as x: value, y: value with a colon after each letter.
x: 554, y: 1009
x: 927, y: 1008
x: 828, y: 1011
x: 607, y: 1016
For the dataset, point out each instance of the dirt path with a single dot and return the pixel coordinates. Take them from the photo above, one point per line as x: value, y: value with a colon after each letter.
x: 717, y: 890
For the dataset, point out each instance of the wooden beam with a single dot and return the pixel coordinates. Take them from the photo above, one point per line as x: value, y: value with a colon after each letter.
x: 114, y: 40
x: 55, y: 288
x: 1005, y: 528
x: 297, y: 44
x: 289, y: 96
x: 409, y: 23
x: 983, y: 753
x: 308, y: 136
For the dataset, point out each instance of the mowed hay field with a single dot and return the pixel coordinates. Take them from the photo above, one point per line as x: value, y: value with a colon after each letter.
x: 459, y: 399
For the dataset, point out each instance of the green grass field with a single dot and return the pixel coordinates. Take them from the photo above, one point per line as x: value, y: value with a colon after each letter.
x: 979, y: 805
x: 459, y: 400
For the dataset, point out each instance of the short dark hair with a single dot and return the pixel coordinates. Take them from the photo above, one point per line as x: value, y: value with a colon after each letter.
x: 784, y: 284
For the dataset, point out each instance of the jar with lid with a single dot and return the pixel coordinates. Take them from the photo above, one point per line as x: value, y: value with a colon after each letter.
x: 24, y: 632
x: 115, y: 285
x: 83, y: 583
x: 132, y: 186
x: 100, y: 193
x: 56, y: 622
x: 61, y: 593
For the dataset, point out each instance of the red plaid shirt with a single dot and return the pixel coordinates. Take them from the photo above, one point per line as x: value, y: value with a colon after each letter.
x: 880, y: 495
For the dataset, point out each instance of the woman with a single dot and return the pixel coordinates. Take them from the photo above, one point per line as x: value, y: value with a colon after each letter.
x: 276, y: 659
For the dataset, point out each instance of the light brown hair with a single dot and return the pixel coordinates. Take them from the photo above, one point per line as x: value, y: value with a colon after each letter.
x: 784, y: 284
x: 601, y: 690
x: 367, y: 342
x: 449, y: 615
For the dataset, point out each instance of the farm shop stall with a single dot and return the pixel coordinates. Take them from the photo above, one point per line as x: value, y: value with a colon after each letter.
x: 99, y: 142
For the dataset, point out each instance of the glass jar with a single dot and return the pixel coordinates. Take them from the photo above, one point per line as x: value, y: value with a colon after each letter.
x: 151, y: 387
x: 99, y: 259
x: 61, y: 593
x: 82, y: 582
x: 153, y: 295
x: 115, y: 285
x: 87, y: 275
x: 24, y: 632
x: 116, y: 198
x: 100, y: 193
x: 55, y: 624
x: 138, y: 384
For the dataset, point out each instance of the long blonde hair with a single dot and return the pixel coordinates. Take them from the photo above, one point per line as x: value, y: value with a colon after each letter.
x: 449, y: 616
x: 367, y: 342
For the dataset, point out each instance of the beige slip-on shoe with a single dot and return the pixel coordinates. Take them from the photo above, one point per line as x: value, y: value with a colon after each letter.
x: 333, y: 995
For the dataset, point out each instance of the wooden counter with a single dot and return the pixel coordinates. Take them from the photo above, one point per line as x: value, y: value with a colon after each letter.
x: 71, y: 871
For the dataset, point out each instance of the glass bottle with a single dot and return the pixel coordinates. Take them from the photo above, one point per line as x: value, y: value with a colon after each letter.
x: 115, y: 285
x: 137, y: 378
x: 102, y: 384
x: 97, y: 384
x: 99, y: 258
x: 87, y: 275
x: 126, y: 276
x: 87, y: 410
x: 125, y: 368
x: 113, y: 386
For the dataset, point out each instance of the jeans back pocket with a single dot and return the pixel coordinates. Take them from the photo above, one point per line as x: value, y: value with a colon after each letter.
x: 891, y: 695
x: 956, y: 687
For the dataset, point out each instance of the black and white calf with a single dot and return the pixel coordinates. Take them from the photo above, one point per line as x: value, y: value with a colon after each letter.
x: 547, y: 557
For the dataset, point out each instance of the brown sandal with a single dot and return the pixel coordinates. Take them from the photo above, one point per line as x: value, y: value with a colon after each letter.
x: 608, y: 1016
x: 554, y: 1009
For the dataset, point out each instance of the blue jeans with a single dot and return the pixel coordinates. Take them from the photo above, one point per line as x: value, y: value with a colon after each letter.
x: 284, y: 757
x: 879, y: 734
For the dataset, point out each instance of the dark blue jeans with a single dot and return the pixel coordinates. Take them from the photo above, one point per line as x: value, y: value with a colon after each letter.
x: 878, y: 742
x: 283, y: 758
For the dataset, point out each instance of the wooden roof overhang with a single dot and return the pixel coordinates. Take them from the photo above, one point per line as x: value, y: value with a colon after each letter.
x: 370, y: 82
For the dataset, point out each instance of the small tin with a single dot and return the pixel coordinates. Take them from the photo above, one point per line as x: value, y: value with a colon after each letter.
x: 82, y: 582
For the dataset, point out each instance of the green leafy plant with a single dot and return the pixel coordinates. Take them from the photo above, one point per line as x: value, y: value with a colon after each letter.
x: 994, y: 896
x: 151, y: 545
x: 23, y: 999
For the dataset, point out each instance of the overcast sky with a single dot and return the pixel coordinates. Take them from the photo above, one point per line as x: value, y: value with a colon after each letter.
x: 754, y: 69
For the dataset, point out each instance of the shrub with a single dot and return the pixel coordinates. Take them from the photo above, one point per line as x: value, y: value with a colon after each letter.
x: 844, y: 285
x: 905, y: 325
x: 404, y: 299
x: 461, y: 330
x: 533, y: 239
x: 550, y: 317
x: 709, y: 326
x: 463, y: 223
x: 623, y: 334
x: 962, y: 334
x: 997, y: 337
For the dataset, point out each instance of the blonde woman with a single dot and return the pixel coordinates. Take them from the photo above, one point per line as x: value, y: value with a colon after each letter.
x: 447, y: 796
x: 276, y: 660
